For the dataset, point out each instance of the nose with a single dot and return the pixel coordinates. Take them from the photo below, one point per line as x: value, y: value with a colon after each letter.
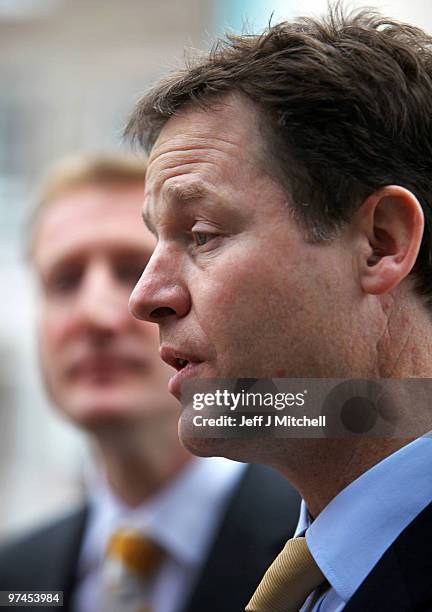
x: 160, y: 292
x: 102, y: 303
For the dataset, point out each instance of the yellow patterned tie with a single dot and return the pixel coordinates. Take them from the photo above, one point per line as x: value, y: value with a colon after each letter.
x: 131, y: 562
x: 289, y: 580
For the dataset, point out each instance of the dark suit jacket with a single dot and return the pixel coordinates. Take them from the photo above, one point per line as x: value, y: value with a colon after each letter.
x: 402, y: 579
x: 260, y: 516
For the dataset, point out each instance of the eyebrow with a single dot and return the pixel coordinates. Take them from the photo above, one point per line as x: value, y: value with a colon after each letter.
x: 185, y: 193
x: 182, y: 194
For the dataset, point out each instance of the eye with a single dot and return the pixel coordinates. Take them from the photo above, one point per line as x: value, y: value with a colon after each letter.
x: 129, y: 273
x: 201, y: 238
x: 63, y: 282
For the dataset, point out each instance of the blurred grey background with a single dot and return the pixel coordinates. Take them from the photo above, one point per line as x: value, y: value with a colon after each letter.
x: 70, y: 71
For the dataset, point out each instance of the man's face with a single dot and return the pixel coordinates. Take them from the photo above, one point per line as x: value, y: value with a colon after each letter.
x: 247, y: 296
x: 100, y: 364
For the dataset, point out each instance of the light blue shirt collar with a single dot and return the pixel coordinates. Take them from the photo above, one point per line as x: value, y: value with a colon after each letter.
x: 355, y: 529
x: 182, y: 517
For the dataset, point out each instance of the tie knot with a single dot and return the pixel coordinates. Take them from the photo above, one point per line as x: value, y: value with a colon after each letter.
x: 291, y: 577
x: 134, y: 551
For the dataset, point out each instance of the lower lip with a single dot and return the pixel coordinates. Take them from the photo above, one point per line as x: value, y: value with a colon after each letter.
x: 106, y: 371
x: 189, y: 371
x: 99, y: 375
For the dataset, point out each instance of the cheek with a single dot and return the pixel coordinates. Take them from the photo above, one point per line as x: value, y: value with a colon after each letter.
x: 240, y: 298
x: 52, y: 329
x: 255, y: 315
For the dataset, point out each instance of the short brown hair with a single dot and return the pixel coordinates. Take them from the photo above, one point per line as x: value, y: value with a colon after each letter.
x: 73, y: 172
x: 344, y: 108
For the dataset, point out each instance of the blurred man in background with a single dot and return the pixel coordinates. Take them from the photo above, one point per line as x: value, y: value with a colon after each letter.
x: 160, y: 530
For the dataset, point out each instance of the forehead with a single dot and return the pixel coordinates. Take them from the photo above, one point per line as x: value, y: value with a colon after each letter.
x: 90, y: 219
x: 215, y: 143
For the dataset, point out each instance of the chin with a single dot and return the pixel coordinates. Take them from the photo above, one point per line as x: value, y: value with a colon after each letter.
x: 93, y: 408
x: 198, y: 447
x: 208, y: 447
x: 92, y: 417
x: 217, y: 447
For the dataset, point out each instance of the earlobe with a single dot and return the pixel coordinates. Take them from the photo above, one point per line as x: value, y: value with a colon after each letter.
x: 392, y: 222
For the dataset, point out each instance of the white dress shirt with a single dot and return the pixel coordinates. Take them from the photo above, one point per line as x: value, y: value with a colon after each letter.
x: 182, y: 518
x: 351, y: 534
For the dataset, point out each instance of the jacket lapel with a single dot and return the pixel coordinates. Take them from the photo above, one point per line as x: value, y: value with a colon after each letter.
x: 261, y: 515
x: 66, y: 551
x: 402, y: 579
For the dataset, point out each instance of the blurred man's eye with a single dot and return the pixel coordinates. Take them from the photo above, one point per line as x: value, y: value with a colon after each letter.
x: 130, y: 273
x: 62, y: 283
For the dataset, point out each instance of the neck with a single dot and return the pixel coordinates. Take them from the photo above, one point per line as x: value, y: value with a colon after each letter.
x: 321, y: 468
x: 140, y: 460
x: 331, y: 465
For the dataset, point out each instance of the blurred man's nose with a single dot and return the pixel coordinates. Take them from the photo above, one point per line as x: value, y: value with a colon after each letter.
x: 102, y: 302
x: 160, y: 292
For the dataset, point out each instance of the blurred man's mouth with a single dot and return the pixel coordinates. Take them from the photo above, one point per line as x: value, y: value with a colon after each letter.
x: 104, y: 369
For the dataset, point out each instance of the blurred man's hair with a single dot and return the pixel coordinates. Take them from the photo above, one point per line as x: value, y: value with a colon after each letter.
x: 343, y: 107
x: 72, y: 173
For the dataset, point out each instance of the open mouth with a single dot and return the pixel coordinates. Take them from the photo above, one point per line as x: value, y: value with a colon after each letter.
x: 176, y: 359
x: 186, y: 364
x: 185, y: 369
x: 180, y: 364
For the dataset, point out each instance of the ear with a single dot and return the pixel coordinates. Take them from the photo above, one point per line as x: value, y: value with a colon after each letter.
x: 391, y: 223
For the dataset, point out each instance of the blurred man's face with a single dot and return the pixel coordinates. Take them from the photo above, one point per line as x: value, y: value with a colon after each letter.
x: 248, y: 296
x: 100, y: 364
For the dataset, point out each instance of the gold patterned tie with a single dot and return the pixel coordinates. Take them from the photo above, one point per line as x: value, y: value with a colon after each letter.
x: 131, y: 562
x: 289, y: 580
